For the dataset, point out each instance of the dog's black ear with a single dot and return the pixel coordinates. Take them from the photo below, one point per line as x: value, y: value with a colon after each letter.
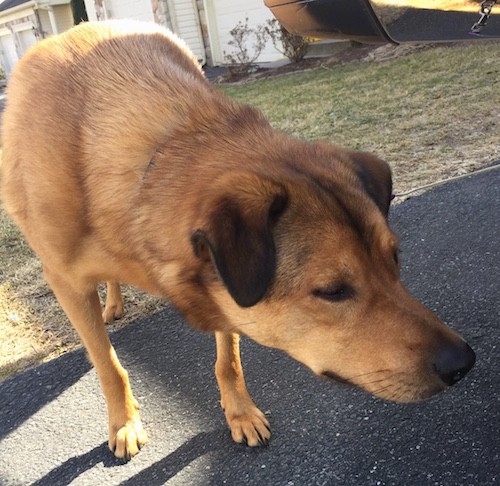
x: 376, y: 178
x: 236, y: 231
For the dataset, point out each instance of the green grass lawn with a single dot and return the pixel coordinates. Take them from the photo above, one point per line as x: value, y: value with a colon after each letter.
x: 431, y: 114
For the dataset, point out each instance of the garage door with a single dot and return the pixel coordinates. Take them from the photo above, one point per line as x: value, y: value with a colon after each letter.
x: 224, y: 15
x: 186, y: 24
x: 26, y: 38
x: 8, y: 54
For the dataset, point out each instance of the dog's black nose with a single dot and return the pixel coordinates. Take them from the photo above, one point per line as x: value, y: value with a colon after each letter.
x: 454, y: 362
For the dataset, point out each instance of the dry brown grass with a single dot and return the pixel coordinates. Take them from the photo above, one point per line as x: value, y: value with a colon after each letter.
x: 432, y: 114
x: 33, y: 328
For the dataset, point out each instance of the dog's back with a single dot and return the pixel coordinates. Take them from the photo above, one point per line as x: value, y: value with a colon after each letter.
x: 67, y: 119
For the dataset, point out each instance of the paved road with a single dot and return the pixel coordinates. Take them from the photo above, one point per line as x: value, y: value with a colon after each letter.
x: 426, y: 25
x: 53, y: 422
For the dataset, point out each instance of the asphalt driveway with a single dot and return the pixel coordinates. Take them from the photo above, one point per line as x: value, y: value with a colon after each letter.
x: 53, y: 419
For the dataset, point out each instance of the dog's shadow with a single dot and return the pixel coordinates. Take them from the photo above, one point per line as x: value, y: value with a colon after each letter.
x: 22, y: 396
x: 156, y: 474
x: 164, y: 469
x: 69, y: 470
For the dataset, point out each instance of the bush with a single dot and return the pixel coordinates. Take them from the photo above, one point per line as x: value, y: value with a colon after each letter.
x: 242, y: 61
x: 292, y: 46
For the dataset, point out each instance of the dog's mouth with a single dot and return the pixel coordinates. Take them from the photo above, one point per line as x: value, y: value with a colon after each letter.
x: 392, y: 391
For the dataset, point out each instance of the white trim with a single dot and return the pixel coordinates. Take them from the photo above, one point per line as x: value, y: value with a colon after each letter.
x: 17, y: 13
x: 55, y: 3
x: 199, y: 31
x: 172, y: 16
x: 23, y: 6
x: 213, y: 32
x: 53, y: 21
x: 90, y: 7
x: 24, y: 26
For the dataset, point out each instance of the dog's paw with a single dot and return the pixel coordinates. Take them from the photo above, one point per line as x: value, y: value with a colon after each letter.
x: 125, y: 442
x: 250, y: 427
x: 112, y: 312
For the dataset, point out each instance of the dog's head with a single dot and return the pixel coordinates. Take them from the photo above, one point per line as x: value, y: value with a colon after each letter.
x: 306, y: 262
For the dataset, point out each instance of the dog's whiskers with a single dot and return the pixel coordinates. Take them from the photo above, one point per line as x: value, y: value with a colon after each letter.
x: 397, y: 389
x: 402, y: 390
x: 364, y: 383
x: 377, y: 391
x: 368, y: 373
x: 398, y: 392
x: 355, y: 379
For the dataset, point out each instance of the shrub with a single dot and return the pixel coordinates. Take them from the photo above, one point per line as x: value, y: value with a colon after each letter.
x: 242, y: 59
x: 292, y: 46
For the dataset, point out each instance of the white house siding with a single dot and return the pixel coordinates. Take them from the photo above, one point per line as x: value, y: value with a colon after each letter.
x: 11, y: 23
x: 64, y: 17
x: 22, y: 28
x: 186, y: 24
x: 8, y: 53
x: 224, y: 15
x: 179, y: 15
x: 45, y: 25
x: 129, y: 9
x: 217, y: 19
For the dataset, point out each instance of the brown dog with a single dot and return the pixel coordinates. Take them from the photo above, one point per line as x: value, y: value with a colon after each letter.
x: 122, y: 164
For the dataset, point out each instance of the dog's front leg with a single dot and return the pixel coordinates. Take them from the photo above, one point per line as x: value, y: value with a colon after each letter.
x: 247, y: 423
x: 80, y: 302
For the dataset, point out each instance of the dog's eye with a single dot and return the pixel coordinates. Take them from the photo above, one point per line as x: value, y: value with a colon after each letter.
x: 337, y: 293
